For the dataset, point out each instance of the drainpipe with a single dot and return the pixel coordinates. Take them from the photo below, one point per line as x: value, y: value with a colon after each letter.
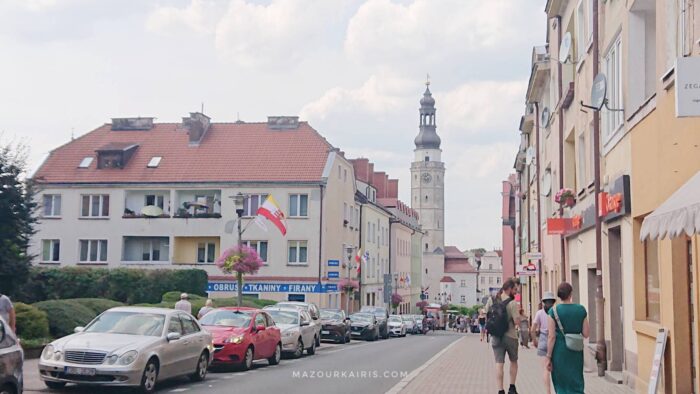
x: 561, y: 145
x: 320, y: 237
x: 537, y: 177
x: 391, y: 222
x: 601, y: 351
x: 359, y: 244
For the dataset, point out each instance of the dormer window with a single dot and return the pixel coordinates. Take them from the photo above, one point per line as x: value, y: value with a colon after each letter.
x: 115, y: 155
x: 427, y: 158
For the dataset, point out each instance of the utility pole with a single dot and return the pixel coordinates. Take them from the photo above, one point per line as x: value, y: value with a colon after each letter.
x: 601, y: 351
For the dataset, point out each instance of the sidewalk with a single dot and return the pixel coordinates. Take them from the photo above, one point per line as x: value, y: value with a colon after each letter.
x: 468, y: 367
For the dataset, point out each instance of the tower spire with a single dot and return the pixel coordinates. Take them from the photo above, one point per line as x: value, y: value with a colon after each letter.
x: 427, y: 137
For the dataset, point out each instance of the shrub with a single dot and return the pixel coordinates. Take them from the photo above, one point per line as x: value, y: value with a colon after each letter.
x: 97, y: 305
x: 32, y: 323
x: 174, y: 296
x: 65, y: 315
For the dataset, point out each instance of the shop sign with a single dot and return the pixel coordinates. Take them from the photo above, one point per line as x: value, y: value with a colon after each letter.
x: 333, y: 263
x: 687, y: 86
x: 333, y: 274
x: 564, y: 226
x: 527, y: 269
x: 533, y: 256
x: 616, y: 201
x: 273, y: 287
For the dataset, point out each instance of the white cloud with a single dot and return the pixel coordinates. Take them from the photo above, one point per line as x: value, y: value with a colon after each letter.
x: 200, y: 16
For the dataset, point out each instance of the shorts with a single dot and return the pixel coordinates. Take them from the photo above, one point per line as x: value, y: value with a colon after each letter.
x: 482, y: 327
x: 504, y: 345
x: 542, y: 345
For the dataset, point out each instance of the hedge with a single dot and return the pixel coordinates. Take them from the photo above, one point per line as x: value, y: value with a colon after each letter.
x: 170, y: 298
x: 32, y: 322
x: 127, y: 285
x: 65, y: 315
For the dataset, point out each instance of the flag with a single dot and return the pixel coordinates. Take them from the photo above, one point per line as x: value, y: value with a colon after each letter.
x: 358, y: 257
x: 408, y: 279
x: 272, y: 212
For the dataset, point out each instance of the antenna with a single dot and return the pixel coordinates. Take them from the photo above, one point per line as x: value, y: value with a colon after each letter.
x: 565, y: 49
x: 427, y: 79
x: 599, y: 91
x: 202, y: 112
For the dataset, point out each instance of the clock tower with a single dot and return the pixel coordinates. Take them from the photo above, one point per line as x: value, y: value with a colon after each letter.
x: 428, y: 178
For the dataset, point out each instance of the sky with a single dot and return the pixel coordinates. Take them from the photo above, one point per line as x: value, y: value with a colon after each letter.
x: 355, y: 69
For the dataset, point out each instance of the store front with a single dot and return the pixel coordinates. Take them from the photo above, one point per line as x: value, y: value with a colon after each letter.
x: 323, y: 294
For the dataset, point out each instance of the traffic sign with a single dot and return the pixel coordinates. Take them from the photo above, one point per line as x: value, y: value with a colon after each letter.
x: 533, y: 256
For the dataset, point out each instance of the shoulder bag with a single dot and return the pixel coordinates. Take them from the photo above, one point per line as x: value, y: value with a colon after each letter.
x: 574, y: 342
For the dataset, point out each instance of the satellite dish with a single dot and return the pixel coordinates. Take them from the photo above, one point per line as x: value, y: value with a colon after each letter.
x: 545, y: 117
x: 598, y: 91
x: 547, y: 183
x: 529, y: 155
x: 565, y: 48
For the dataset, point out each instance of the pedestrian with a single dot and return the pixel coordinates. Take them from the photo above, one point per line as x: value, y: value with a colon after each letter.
x: 524, y: 330
x: 540, y: 331
x: 7, y: 311
x: 208, y: 307
x: 503, y: 313
x: 567, y: 328
x: 482, y: 323
x: 184, y: 303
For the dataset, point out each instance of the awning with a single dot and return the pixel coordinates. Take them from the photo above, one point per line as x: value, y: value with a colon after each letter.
x: 679, y: 214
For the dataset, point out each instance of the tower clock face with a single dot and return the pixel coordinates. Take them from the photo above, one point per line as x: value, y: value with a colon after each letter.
x: 427, y: 177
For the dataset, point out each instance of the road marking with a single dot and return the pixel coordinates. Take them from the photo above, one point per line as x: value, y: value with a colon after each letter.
x: 179, y: 390
x: 405, y: 381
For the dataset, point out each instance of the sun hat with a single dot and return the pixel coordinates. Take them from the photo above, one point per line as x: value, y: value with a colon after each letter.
x: 548, y: 296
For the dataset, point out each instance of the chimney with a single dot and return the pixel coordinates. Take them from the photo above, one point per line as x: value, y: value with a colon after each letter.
x: 393, y: 191
x: 361, y: 167
x: 197, y: 126
x: 132, y: 124
x: 379, y: 182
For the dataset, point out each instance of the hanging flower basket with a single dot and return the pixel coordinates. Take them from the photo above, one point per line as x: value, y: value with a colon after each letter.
x: 565, y: 197
x: 396, y: 300
x: 241, y: 261
x: 349, y: 285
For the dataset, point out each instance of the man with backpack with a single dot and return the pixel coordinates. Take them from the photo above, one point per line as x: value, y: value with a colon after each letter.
x: 502, y: 318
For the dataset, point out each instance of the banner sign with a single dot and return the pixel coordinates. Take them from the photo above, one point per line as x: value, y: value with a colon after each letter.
x: 273, y: 287
x: 687, y: 86
x: 533, y: 256
x: 564, y: 226
x: 333, y: 263
x: 333, y: 274
x: 527, y: 269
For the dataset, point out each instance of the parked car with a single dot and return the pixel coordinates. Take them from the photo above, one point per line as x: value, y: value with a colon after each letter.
x: 420, y: 328
x: 364, y: 326
x: 396, y: 325
x: 243, y: 335
x: 312, y: 309
x: 129, y: 346
x: 382, y: 315
x: 298, y: 333
x: 11, y: 361
x: 336, y: 326
x: 410, y: 322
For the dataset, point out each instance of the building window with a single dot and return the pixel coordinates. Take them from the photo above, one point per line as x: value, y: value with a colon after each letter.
x: 345, y: 175
x: 651, y: 271
x: 463, y: 283
x: 339, y: 172
x: 369, y: 232
x: 52, y: 205
x: 427, y: 158
x: 252, y: 202
x: 93, y: 250
x: 297, y: 252
x: 146, y: 249
x: 642, y: 48
x: 483, y: 280
x: 581, y: 36
x: 581, y: 168
x: 95, y: 205
x: 498, y: 280
x: 205, y: 203
x: 298, y: 205
x: 260, y: 247
x: 345, y: 213
x: 463, y: 299
x: 490, y: 280
x: 612, y: 120
x: 51, y: 250
x: 206, y: 252
x: 155, y: 200
x: 426, y: 247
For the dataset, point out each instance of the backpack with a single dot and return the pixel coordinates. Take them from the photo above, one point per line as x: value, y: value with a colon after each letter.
x: 497, y: 321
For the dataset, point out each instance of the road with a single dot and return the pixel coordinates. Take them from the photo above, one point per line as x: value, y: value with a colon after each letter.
x: 368, y: 367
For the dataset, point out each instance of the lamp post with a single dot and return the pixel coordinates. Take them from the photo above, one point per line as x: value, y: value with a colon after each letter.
x: 349, y: 250
x: 239, y: 201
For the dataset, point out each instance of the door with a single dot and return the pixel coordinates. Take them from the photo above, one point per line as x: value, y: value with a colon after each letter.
x: 308, y: 332
x: 261, y: 338
x: 617, y: 354
x: 194, y: 343
x: 173, y: 354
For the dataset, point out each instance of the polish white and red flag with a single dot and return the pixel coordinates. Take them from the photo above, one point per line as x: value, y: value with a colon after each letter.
x: 271, y: 211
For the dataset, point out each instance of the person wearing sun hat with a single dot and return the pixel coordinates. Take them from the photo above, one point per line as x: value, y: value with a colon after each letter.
x: 184, y: 303
x: 540, y: 332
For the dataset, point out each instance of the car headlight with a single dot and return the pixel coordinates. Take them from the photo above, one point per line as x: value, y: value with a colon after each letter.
x: 57, y: 355
x: 111, y: 359
x: 128, y: 357
x: 47, y: 353
x: 235, y: 339
x: 290, y: 333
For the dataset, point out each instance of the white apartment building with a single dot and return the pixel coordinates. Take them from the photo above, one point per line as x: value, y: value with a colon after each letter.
x: 134, y: 193
x: 490, y: 273
x: 458, y: 286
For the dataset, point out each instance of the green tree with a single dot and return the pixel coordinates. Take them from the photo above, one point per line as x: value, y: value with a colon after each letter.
x: 16, y: 217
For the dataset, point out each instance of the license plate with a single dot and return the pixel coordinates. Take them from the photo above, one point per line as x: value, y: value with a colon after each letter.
x: 356, y: 333
x: 325, y: 332
x: 79, y: 371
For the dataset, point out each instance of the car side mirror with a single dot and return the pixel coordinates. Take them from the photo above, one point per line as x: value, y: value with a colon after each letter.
x: 260, y: 328
x: 305, y: 323
x: 173, y: 336
x: 78, y: 329
x: 3, y: 332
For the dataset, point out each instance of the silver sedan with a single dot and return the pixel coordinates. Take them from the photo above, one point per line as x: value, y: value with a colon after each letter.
x: 298, y: 334
x: 129, y: 346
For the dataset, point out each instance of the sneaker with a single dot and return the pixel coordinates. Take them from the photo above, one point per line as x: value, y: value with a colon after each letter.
x: 512, y: 390
x: 501, y: 392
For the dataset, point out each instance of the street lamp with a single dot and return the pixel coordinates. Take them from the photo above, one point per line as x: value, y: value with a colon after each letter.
x: 238, y: 202
x: 349, y: 250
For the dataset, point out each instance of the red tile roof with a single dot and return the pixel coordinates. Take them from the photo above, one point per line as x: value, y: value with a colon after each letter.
x: 457, y: 262
x: 447, y: 279
x: 229, y: 152
x: 451, y: 252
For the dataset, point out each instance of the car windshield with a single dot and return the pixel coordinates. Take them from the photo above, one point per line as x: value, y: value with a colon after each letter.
x: 286, y: 305
x: 226, y: 318
x: 130, y: 323
x: 330, y: 315
x: 284, y: 317
x: 363, y: 317
x: 395, y: 319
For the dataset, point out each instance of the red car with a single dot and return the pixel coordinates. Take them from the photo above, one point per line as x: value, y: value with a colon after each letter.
x: 243, y: 335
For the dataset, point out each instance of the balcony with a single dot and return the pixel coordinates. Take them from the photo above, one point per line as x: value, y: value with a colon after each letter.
x: 151, y: 204
x: 146, y: 250
x: 198, y: 204
x: 196, y: 250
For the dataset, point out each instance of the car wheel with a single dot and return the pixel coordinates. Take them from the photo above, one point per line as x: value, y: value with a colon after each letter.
x: 300, y: 349
x: 318, y: 341
x: 247, y: 359
x: 202, y: 364
x: 275, y: 359
x: 55, y: 385
x: 149, y: 377
x: 312, y: 349
x: 348, y: 337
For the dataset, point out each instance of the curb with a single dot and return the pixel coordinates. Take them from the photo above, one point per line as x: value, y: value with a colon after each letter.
x: 414, y: 374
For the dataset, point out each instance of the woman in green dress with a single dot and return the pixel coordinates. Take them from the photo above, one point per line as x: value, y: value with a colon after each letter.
x: 566, y: 365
